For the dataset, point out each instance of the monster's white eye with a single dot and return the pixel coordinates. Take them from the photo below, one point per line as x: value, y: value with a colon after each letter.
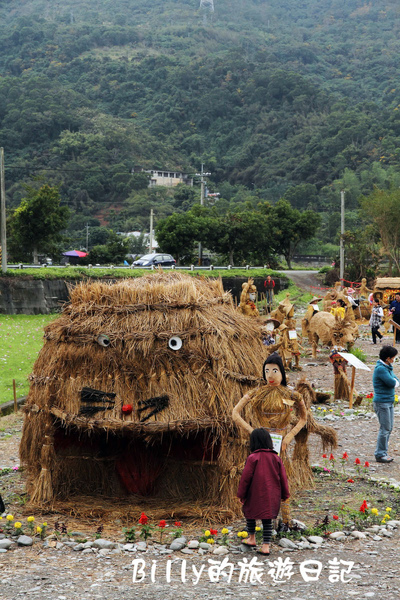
x: 103, y: 340
x: 175, y: 343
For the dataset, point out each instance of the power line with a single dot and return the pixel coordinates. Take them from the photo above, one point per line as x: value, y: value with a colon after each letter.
x: 79, y: 170
x: 66, y: 170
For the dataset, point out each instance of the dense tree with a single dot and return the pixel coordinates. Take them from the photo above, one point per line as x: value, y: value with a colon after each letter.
x: 289, y: 227
x: 383, y: 207
x: 37, y: 223
x: 177, y: 235
x: 302, y: 196
x: 362, y: 253
x: 114, y: 251
x: 294, y: 100
x: 240, y: 237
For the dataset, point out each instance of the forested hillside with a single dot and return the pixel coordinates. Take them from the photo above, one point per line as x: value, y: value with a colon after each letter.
x: 280, y: 98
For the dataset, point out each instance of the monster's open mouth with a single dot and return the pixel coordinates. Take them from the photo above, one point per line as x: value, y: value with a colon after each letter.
x: 115, y: 464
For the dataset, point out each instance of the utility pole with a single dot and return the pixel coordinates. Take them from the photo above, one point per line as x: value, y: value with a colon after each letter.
x: 341, y: 275
x: 87, y: 237
x: 202, y: 182
x: 3, y: 234
x: 151, y: 231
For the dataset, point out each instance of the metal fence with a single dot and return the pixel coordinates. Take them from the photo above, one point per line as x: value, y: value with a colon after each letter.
x: 131, y: 267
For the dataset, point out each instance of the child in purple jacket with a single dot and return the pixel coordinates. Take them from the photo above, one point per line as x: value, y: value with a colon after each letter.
x: 262, y: 487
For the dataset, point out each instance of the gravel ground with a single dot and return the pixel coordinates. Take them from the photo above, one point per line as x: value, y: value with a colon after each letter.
x: 66, y: 575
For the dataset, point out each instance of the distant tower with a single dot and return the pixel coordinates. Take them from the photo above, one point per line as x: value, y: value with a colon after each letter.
x: 207, y: 6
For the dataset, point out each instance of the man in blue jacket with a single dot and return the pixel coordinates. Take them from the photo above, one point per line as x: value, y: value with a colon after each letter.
x: 384, y: 382
x: 394, y: 310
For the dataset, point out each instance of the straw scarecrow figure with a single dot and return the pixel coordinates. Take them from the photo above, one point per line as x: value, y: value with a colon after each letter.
x: 290, y: 347
x: 312, y: 309
x: 364, y: 291
x: 364, y: 294
x: 283, y: 412
x: 331, y: 331
x: 131, y: 398
x: 342, y: 385
x: 386, y: 318
x: 248, y: 297
x: 341, y: 381
x: 284, y: 309
x: 269, y: 331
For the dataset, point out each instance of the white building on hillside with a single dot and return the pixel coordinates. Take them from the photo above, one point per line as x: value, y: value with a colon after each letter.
x: 168, y: 178
x: 165, y: 177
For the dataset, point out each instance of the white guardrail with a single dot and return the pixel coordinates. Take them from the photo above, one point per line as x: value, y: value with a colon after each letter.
x: 131, y: 267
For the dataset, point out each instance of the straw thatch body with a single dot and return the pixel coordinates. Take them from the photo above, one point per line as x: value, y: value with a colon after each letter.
x: 331, y: 331
x: 327, y: 434
x: 133, y: 390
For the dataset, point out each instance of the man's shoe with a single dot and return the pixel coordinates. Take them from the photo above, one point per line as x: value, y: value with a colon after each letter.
x: 385, y: 459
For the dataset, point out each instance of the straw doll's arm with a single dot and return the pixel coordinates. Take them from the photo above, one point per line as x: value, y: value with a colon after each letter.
x: 302, y: 411
x: 238, y: 420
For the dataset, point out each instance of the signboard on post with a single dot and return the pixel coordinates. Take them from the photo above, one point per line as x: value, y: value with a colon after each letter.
x: 277, y: 442
x: 395, y: 326
x: 355, y: 363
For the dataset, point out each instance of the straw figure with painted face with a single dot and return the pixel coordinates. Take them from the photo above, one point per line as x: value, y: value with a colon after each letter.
x: 248, y: 299
x: 285, y: 413
x: 312, y: 310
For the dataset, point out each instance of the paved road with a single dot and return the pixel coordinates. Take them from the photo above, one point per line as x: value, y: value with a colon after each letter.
x: 304, y: 279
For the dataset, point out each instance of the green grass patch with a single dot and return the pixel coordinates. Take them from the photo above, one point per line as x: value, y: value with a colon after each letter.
x: 21, y: 338
x: 79, y: 272
x: 297, y: 296
x: 358, y: 353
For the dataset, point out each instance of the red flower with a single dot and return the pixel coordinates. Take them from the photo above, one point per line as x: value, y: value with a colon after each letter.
x: 350, y: 481
x: 335, y: 517
x: 178, y: 524
x: 127, y: 409
x: 357, y: 461
x: 324, y: 456
x: 331, y: 457
x: 345, y: 456
x: 143, y: 519
x: 364, y: 506
x: 213, y: 531
x: 162, y: 524
x: 366, y: 464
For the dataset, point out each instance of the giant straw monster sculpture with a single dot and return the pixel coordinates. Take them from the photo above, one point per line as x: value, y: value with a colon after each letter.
x: 132, y: 393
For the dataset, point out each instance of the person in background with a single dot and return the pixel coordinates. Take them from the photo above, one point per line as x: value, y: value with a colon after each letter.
x: 262, y: 487
x: 376, y: 321
x: 341, y: 308
x: 384, y: 382
x: 394, y: 309
x: 269, y: 285
x: 338, y: 308
x: 371, y: 298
